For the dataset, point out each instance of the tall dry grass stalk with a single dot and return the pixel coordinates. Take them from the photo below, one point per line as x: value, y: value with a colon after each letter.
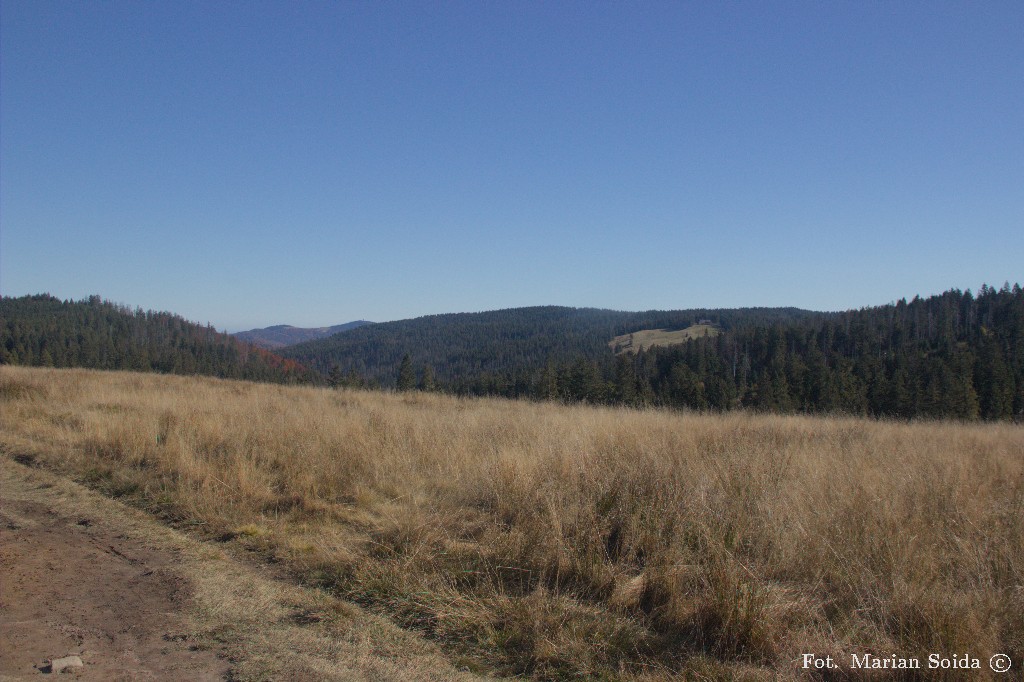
x: 556, y: 541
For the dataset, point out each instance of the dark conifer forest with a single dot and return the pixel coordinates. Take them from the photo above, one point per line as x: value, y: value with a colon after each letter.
x: 467, y: 350
x: 44, y: 331
x: 956, y: 355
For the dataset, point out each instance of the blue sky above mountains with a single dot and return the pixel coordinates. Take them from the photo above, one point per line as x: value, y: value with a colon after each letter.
x: 256, y: 163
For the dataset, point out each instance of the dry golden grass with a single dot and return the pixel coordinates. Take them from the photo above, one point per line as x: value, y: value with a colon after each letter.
x: 556, y: 542
x: 648, y: 338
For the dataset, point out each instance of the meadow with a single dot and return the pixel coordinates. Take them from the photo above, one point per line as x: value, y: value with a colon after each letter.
x: 560, y: 542
x: 645, y: 339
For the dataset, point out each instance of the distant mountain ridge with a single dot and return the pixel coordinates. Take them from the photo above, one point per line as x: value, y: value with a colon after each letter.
x: 281, y: 335
x: 464, y: 346
x: 955, y: 355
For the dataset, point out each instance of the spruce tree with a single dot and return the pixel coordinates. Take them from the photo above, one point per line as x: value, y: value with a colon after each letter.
x: 335, y: 378
x: 427, y: 380
x: 406, y: 374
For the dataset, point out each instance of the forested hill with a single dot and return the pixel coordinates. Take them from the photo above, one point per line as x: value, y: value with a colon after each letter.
x: 955, y: 355
x: 463, y: 348
x: 93, y: 333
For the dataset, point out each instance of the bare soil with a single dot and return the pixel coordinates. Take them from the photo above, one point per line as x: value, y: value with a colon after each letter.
x: 75, y: 585
x: 84, y: 575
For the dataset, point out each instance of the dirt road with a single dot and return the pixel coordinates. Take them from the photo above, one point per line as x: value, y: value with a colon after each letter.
x: 86, y: 576
x: 74, y: 583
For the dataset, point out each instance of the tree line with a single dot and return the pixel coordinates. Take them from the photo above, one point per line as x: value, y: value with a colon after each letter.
x: 45, y: 331
x: 955, y: 355
x: 462, y: 347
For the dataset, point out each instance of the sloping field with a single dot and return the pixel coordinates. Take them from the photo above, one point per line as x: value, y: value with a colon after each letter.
x: 646, y: 338
x: 558, y: 542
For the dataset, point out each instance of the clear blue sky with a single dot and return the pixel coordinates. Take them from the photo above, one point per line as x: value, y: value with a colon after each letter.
x: 256, y: 163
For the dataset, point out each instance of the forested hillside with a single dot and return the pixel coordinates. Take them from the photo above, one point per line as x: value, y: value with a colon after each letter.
x: 464, y: 349
x: 45, y: 331
x: 955, y: 355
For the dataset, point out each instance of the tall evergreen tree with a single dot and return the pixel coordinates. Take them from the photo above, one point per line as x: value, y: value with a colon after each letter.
x: 427, y: 382
x: 406, y: 374
x: 335, y: 377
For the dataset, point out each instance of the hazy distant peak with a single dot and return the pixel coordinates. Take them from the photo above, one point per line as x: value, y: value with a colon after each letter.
x: 281, y: 335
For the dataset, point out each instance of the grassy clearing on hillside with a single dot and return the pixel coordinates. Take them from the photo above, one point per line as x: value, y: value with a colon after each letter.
x: 645, y: 339
x: 557, y: 542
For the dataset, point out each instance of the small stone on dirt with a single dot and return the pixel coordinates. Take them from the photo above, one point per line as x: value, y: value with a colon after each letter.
x: 59, y: 665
